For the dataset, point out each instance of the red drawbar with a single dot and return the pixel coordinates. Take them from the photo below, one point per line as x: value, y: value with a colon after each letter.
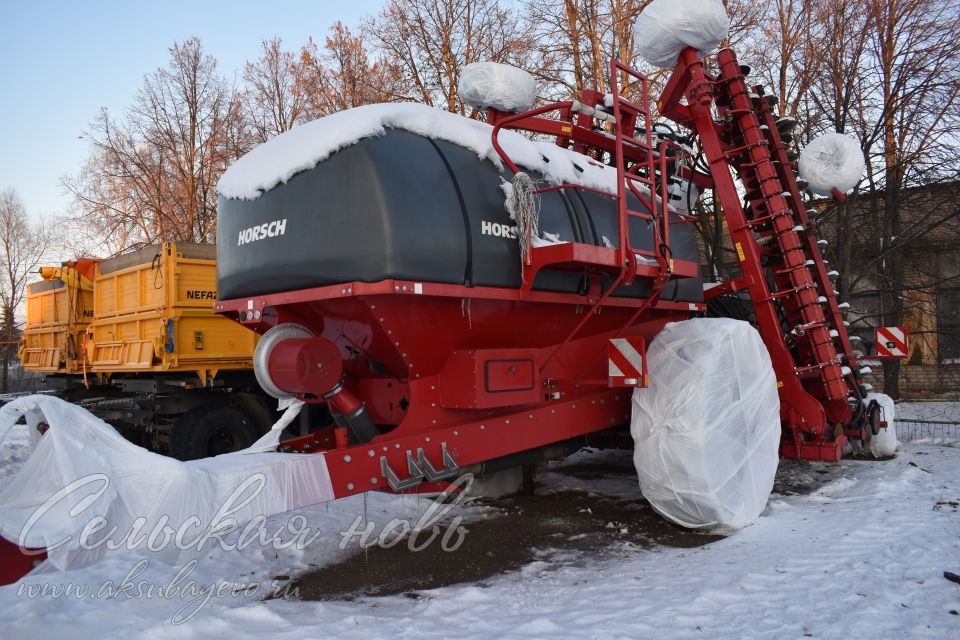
x: 15, y: 563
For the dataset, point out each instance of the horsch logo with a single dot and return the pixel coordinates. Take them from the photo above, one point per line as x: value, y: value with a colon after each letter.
x: 497, y: 230
x: 265, y: 230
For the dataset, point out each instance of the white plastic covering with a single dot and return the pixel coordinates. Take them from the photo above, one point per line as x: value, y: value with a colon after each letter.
x: 832, y: 161
x: 666, y: 27
x: 707, y: 429
x: 501, y: 86
x: 884, y: 444
x: 126, y: 484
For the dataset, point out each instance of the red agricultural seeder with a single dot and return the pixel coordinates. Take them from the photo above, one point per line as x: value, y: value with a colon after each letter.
x: 456, y: 377
x: 498, y: 376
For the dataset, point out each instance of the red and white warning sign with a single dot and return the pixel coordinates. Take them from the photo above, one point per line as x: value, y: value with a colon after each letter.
x: 891, y: 342
x: 626, y: 362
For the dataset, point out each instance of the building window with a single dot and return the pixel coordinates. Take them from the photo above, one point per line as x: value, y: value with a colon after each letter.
x: 948, y: 306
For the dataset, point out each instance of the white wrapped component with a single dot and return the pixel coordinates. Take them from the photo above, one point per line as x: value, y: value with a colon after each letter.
x: 884, y: 444
x: 491, y: 84
x: 667, y: 27
x: 126, y: 484
x: 832, y: 161
x: 707, y: 430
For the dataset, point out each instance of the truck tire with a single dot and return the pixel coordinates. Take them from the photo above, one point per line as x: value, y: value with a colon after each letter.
x: 210, y: 430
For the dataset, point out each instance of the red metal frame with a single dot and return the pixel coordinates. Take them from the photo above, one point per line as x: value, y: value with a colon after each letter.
x: 818, y: 396
x: 386, y: 320
x: 630, y: 155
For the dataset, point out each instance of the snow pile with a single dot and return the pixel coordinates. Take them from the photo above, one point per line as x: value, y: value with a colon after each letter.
x: 95, y: 473
x: 832, y: 161
x: 15, y: 448
x: 501, y: 86
x: 890, y: 528
x: 304, y: 146
x: 707, y: 430
x: 667, y: 27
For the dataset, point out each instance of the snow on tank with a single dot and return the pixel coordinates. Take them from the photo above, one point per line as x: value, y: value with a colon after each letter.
x: 303, y: 147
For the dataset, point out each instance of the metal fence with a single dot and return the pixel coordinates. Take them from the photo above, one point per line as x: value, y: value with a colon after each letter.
x: 923, y: 429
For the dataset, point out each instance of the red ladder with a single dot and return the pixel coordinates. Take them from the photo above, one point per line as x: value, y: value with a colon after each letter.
x: 637, y: 165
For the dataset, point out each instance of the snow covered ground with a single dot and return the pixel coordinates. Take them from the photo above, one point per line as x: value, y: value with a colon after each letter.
x: 856, y: 550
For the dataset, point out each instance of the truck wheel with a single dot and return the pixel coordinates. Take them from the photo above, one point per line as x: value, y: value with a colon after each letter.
x: 209, y: 431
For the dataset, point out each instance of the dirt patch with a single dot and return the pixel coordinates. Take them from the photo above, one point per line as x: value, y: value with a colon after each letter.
x: 560, y: 527
x: 795, y: 477
x: 947, y: 505
x: 569, y: 522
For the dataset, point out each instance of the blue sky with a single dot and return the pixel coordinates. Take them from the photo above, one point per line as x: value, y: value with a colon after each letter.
x: 61, y: 61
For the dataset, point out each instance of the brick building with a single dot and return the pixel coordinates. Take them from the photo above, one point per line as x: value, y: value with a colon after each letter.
x: 930, y: 250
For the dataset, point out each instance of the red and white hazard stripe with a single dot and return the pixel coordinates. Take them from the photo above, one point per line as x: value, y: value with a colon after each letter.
x: 626, y: 365
x: 891, y: 342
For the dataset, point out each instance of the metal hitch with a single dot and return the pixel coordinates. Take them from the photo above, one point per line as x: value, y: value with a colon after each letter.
x: 420, y: 469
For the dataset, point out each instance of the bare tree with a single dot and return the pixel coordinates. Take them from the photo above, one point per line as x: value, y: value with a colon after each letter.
x: 152, y: 175
x: 892, y: 79
x: 576, y: 40
x: 22, y: 249
x: 430, y: 41
x: 275, y: 96
x: 915, y: 74
x: 787, y: 52
x: 342, y: 75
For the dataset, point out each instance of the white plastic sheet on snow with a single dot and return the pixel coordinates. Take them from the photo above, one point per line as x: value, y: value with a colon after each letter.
x: 832, y: 161
x: 301, y: 148
x: 137, y: 491
x: 501, y: 86
x: 707, y: 430
x: 667, y: 27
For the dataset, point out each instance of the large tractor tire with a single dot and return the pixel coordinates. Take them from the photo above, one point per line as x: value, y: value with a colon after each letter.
x: 211, y: 430
x: 707, y: 429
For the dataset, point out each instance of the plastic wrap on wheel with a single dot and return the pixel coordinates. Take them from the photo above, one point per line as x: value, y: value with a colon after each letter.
x: 81, y: 472
x: 884, y: 444
x: 491, y: 84
x: 666, y: 27
x: 832, y: 161
x: 707, y: 429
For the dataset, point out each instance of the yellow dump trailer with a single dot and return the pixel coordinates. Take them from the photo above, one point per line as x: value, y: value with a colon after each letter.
x: 59, y: 308
x: 134, y: 339
x: 153, y: 311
